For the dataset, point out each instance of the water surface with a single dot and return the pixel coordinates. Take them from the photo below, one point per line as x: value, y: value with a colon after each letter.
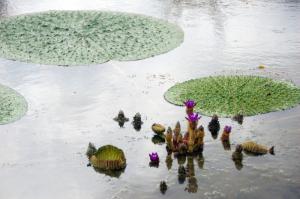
x: 42, y: 155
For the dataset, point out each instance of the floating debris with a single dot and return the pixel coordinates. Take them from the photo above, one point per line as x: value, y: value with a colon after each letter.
x: 163, y: 187
x: 257, y: 149
x: 121, y: 119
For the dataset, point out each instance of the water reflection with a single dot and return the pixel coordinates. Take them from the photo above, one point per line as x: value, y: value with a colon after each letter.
x: 226, y: 145
x: 237, y: 157
x: 186, y: 170
x: 181, y: 174
x: 200, y: 161
x: 192, y: 186
x: 169, y: 161
x: 3, y: 7
x: 157, y: 139
x: 111, y: 173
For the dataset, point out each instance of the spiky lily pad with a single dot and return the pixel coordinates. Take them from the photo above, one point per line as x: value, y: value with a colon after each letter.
x: 109, y: 157
x: 85, y: 37
x: 12, y: 105
x: 229, y: 95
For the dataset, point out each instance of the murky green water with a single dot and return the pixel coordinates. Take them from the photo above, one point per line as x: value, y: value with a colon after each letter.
x: 42, y: 155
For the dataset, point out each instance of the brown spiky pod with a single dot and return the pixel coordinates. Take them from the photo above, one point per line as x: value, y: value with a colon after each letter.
x: 169, y: 138
x: 199, y: 141
x: 225, y: 137
x: 237, y: 157
x: 191, y: 136
x: 257, y: 149
x: 177, y: 129
x: 177, y: 136
x: 200, y: 135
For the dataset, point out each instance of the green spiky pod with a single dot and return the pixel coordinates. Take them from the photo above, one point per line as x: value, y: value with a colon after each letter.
x: 109, y: 158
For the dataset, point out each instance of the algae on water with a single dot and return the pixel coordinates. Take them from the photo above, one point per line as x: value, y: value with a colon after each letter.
x: 85, y: 37
x: 12, y: 105
x: 229, y: 95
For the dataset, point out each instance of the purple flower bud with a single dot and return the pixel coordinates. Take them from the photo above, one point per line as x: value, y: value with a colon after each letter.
x: 227, y: 129
x: 194, y: 117
x: 154, y: 157
x: 190, y: 103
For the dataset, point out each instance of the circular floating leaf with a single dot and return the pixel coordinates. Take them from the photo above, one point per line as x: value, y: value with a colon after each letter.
x: 109, y: 158
x: 229, y: 95
x: 85, y: 37
x: 12, y: 105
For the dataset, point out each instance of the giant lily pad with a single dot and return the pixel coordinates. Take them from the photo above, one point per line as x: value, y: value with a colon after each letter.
x: 229, y: 95
x: 12, y: 105
x: 85, y: 37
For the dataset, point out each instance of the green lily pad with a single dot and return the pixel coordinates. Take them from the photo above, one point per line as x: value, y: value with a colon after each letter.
x: 229, y: 95
x: 85, y: 37
x: 12, y: 105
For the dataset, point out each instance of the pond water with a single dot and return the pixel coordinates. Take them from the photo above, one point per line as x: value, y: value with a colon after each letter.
x: 43, y: 154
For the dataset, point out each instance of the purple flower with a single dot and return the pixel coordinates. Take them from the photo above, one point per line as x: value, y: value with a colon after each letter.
x: 227, y: 129
x: 194, y: 117
x: 190, y: 103
x: 154, y: 157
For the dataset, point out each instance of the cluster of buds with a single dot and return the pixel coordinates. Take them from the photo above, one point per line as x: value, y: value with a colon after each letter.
x: 194, y: 136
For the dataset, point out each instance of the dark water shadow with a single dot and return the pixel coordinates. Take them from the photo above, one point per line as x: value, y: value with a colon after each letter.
x: 110, y: 173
